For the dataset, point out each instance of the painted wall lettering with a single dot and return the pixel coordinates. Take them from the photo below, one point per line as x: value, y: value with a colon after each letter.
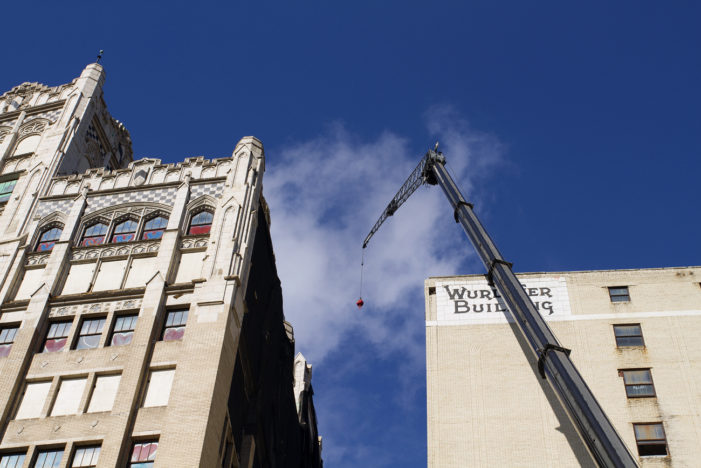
x: 475, y: 301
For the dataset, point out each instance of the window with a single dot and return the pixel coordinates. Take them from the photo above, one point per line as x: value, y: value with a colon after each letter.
x: 6, y: 188
x: 200, y: 223
x: 619, y: 294
x: 90, y: 332
x: 68, y: 398
x: 27, y: 145
x: 650, y: 439
x: 125, y: 231
x: 141, y: 270
x: 175, y: 325
x: 110, y: 275
x: 104, y: 392
x: 7, y: 337
x: 48, y: 239
x: 56, y: 337
x: 33, y: 400
x: 190, y: 266
x: 153, y: 229
x: 638, y: 382
x: 143, y: 454
x: 158, y: 387
x: 86, y: 457
x: 30, y: 283
x: 123, y: 330
x: 79, y: 278
x: 94, y: 235
x: 628, y: 335
x: 12, y: 460
x: 49, y: 458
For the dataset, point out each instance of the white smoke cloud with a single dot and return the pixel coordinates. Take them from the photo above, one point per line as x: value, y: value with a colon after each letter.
x: 326, y: 193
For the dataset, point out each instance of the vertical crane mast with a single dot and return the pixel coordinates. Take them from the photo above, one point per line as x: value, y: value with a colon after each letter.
x: 594, y: 427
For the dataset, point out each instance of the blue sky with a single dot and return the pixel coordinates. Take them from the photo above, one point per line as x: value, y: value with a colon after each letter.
x: 574, y: 128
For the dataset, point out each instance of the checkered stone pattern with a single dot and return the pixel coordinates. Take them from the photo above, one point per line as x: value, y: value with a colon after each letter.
x: 165, y: 196
x: 51, y: 116
x: 49, y: 206
x: 92, y: 135
x: 213, y: 190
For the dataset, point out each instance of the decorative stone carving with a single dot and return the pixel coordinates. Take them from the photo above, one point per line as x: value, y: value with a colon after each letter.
x: 37, y: 258
x: 35, y: 127
x: 194, y: 242
x: 111, y: 250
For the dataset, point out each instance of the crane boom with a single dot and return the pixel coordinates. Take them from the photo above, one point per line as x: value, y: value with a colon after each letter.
x: 595, y: 429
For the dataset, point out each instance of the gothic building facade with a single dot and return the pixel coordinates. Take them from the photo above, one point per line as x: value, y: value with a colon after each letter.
x: 141, y: 319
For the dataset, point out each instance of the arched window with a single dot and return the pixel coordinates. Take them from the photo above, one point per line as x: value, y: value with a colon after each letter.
x: 153, y: 229
x: 48, y: 238
x: 27, y: 145
x: 201, y: 223
x: 125, y: 231
x: 94, y: 235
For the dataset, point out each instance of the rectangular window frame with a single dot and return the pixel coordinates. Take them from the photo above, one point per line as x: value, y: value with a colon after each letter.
x: 619, y: 294
x: 17, y: 463
x: 651, y: 385
x: 81, y: 451
x: 651, y: 442
x: 619, y: 342
x: 48, y: 450
x: 92, y: 320
x: 119, y: 320
x: 142, y: 460
x: 8, y: 333
x: 6, y: 193
x: 169, y: 322
x: 19, y: 405
x: 91, y: 406
x: 49, y: 331
x: 57, y: 393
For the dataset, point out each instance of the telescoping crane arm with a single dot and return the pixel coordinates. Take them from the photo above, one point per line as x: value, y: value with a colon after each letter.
x: 594, y: 427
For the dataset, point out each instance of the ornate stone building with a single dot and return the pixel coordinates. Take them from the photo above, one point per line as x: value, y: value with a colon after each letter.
x: 633, y: 335
x: 141, y: 318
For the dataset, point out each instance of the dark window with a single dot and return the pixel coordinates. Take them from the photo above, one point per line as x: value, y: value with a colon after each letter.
x: 143, y: 455
x: 628, y: 335
x: 650, y: 439
x: 153, y: 229
x: 201, y: 223
x: 7, y: 337
x: 86, y: 457
x: 174, y: 328
x: 619, y: 294
x: 56, y: 337
x: 48, y: 239
x: 123, y: 330
x: 90, y: 332
x: 638, y: 382
x: 12, y: 460
x: 94, y: 235
x: 49, y: 458
x: 125, y: 231
x: 6, y: 188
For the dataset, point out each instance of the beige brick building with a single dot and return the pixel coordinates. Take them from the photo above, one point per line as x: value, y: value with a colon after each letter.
x: 634, y: 336
x: 141, y: 314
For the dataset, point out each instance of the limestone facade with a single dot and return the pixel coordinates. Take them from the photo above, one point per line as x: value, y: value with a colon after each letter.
x: 633, y: 335
x: 129, y: 305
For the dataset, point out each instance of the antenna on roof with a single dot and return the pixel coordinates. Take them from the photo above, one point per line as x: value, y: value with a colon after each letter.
x: 99, y: 56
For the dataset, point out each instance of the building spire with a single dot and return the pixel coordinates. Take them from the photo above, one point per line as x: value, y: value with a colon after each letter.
x: 99, y: 56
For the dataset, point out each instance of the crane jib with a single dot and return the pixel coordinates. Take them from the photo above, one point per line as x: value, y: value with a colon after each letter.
x: 595, y: 429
